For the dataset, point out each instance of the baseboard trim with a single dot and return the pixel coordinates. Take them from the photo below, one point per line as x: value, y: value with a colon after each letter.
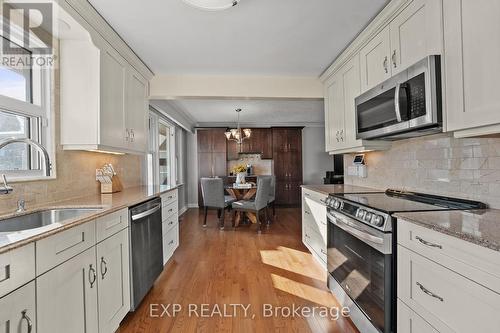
x: 192, y: 206
x: 182, y: 210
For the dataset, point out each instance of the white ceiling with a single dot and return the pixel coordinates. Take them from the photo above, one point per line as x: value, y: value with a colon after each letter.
x: 257, y: 37
x: 255, y: 112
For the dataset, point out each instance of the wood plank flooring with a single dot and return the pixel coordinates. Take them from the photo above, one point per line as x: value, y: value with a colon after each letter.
x: 238, y: 267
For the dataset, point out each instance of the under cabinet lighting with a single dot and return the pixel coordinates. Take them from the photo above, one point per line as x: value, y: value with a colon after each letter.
x: 105, y: 152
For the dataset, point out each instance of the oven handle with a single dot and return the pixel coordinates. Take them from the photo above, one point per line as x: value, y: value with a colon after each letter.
x: 355, y: 231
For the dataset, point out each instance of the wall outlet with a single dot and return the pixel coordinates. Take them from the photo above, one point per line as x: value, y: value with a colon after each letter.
x: 352, y: 170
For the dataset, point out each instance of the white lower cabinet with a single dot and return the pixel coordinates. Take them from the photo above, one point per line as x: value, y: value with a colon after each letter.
x: 18, y: 313
x: 314, y: 224
x: 442, y: 285
x: 113, y: 281
x: 411, y: 322
x: 170, y: 224
x: 67, y: 296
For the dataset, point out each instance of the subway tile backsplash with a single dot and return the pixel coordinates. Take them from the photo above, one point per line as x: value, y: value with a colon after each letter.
x: 437, y: 164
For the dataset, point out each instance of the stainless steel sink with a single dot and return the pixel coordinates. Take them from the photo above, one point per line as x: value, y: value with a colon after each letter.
x: 43, y: 218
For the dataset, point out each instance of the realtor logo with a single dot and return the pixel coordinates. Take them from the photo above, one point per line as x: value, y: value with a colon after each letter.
x: 28, y: 30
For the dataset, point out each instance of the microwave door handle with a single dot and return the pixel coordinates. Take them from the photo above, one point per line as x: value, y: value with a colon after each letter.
x: 396, y: 102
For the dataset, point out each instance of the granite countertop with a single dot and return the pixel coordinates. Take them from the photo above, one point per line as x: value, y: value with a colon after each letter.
x: 340, y: 188
x: 107, y: 203
x: 481, y: 227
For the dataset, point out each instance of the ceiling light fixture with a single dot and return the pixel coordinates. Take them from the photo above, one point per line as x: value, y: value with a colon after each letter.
x: 212, y: 5
x: 237, y: 134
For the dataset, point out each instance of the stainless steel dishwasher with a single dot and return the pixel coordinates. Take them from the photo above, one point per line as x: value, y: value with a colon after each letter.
x: 146, y: 249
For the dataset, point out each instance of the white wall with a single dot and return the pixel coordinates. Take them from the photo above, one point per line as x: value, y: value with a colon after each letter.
x: 315, y: 161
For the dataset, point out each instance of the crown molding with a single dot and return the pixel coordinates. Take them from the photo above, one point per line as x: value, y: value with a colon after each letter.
x: 90, y: 18
x: 259, y: 125
x: 380, y: 21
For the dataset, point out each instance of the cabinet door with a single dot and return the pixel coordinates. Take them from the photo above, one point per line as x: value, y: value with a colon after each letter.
x: 204, y: 140
x: 351, y: 88
x: 266, y: 143
x: 280, y: 140
x: 112, y: 120
x: 219, y: 140
x: 136, y: 111
x: 294, y: 138
x: 67, y: 296
x: 232, y: 151
x: 472, y: 50
x: 334, y: 112
x: 281, y: 192
x: 113, y: 281
x: 375, y: 60
x: 416, y: 33
x: 18, y: 310
x: 219, y: 164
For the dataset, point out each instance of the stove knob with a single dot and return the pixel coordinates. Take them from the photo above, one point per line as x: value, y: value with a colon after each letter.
x: 360, y: 213
x: 337, y: 204
x: 327, y: 201
x: 368, y: 217
x: 378, y: 220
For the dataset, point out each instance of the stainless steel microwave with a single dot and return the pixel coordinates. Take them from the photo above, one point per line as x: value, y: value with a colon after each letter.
x: 406, y: 105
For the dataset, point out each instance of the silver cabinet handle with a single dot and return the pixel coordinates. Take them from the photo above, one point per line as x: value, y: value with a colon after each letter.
x: 105, y: 269
x: 132, y: 135
x: 428, y: 243
x: 28, y: 320
x: 307, y: 212
x: 171, y: 242
x: 428, y: 292
x: 307, y: 194
x: 92, y: 276
x: 394, y: 59
x: 171, y: 222
x: 322, y: 201
x: 323, y: 251
x: 127, y: 135
x: 385, y: 65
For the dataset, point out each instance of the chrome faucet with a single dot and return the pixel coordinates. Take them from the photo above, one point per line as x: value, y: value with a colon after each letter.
x: 6, y: 189
x: 41, y: 148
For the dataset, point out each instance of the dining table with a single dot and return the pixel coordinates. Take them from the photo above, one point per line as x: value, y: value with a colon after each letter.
x: 242, y: 193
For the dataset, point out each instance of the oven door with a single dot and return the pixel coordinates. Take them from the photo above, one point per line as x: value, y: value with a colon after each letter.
x: 359, y: 259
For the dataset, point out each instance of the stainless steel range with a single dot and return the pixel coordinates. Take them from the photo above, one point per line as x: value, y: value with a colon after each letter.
x: 361, y: 256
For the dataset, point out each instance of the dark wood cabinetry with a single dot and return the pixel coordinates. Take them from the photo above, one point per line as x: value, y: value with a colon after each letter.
x: 212, y: 160
x: 260, y: 142
x: 287, y: 158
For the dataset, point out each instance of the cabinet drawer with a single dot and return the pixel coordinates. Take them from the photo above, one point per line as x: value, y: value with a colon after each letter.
x: 316, y: 242
x: 316, y: 196
x: 168, y: 198
x: 169, y: 210
x: 16, y: 268
x: 445, y: 298
x: 18, y: 310
x: 475, y: 262
x: 169, y: 223
x: 56, y: 249
x: 110, y: 224
x: 170, y: 243
x: 410, y: 322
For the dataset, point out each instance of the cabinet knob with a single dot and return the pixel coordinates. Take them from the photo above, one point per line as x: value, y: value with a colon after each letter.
x: 28, y: 320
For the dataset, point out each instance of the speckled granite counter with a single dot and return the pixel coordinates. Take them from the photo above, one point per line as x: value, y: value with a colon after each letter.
x: 481, y: 227
x: 107, y: 202
x: 327, y: 189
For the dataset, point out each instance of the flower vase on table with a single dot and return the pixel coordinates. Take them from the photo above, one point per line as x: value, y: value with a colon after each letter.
x: 240, y: 178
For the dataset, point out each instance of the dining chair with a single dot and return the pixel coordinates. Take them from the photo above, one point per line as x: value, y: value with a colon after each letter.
x: 256, y: 206
x: 212, y: 190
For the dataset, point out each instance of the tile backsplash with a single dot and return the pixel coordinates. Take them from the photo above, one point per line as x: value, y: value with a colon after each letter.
x: 260, y: 166
x: 438, y: 164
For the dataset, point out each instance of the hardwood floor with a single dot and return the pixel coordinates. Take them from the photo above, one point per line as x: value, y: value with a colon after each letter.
x: 238, y: 267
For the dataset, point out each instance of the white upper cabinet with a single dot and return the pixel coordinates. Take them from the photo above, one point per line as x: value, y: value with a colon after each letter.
x: 113, y: 78
x: 340, y: 111
x: 375, y: 63
x: 136, y: 111
x: 104, y: 91
x: 413, y: 34
x: 416, y: 33
x: 472, y: 53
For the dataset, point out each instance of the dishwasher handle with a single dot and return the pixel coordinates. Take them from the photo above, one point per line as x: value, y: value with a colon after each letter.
x: 146, y: 213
